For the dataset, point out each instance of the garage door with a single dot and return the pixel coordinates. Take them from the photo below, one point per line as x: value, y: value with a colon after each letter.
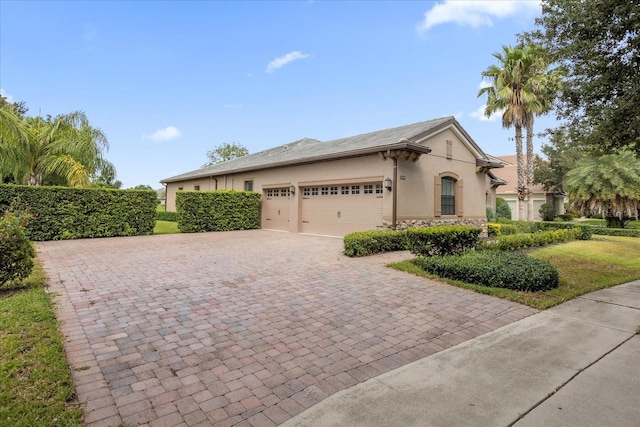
x: 337, y: 210
x: 275, y: 209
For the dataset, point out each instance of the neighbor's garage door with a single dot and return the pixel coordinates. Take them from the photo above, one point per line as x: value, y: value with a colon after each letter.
x: 341, y: 209
x: 275, y: 209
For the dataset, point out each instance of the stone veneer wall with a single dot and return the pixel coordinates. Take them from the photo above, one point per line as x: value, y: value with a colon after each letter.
x: 421, y: 223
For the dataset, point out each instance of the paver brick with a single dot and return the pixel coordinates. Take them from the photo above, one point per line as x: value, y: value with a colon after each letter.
x: 181, y: 330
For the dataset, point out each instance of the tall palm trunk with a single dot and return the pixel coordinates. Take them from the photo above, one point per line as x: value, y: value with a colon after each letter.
x: 521, y: 172
x: 530, y: 213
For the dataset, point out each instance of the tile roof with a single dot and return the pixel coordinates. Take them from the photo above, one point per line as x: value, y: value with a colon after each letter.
x: 311, y: 150
x: 509, y: 173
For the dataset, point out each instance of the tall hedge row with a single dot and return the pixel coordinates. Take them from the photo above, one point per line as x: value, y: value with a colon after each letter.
x: 222, y: 210
x: 74, y: 213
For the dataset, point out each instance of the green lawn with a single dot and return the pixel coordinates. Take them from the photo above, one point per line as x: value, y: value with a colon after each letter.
x: 584, y: 266
x: 602, y: 223
x: 35, y: 381
x: 166, y: 227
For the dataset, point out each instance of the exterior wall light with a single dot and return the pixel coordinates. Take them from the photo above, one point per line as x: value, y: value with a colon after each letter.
x: 292, y: 189
x: 387, y: 183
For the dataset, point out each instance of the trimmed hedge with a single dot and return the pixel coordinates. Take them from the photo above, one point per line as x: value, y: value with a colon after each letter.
x: 510, y: 270
x: 362, y: 243
x: 165, y: 216
x: 221, y: 210
x: 527, y: 240
x: 74, y: 213
x: 624, y: 232
x: 585, y: 230
x: 16, y: 251
x: 442, y: 240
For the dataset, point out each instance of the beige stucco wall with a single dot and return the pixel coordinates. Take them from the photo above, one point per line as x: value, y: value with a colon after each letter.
x: 415, y: 184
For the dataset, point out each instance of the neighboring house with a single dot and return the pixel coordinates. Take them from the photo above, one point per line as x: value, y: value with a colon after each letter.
x: 416, y: 175
x: 509, y: 192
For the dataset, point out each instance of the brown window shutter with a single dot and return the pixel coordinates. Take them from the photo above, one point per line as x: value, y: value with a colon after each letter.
x: 437, y: 196
x: 459, y: 198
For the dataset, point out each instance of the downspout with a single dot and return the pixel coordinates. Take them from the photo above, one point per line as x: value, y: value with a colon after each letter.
x: 165, y: 195
x: 216, y: 180
x: 395, y: 192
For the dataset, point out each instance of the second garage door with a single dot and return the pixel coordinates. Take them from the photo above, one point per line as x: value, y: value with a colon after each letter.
x: 337, y: 210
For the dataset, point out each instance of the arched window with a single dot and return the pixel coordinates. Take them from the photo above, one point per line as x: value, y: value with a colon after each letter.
x: 448, y: 196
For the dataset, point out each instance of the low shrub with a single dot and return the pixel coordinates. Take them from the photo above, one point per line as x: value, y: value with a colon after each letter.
x: 362, y: 243
x: 165, y: 216
x: 527, y: 240
x: 567, y: 217
x: 16, y: 251
x: 585, y: 230
x: 442, y: 240
x: 508, y: 229
x: 493, y: 229
x: 547, y: 211
x: 491, y: 215
x: 510, y: 270
x: 521, y: 226
x: 624, y: 232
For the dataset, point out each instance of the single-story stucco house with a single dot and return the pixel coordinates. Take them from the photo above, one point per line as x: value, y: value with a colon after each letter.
x: 509, y: 191
x: 416, y: 175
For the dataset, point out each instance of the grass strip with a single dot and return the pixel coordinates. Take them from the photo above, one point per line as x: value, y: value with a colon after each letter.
x: 35, y: 382
x: 166, y: 227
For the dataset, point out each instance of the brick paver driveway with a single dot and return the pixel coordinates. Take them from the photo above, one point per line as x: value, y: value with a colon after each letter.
x: 242, y: 328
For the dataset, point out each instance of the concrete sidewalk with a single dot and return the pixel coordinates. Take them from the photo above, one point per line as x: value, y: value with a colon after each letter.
x: 574, y: 364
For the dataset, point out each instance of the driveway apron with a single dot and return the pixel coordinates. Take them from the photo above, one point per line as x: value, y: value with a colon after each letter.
x: 243, y: 328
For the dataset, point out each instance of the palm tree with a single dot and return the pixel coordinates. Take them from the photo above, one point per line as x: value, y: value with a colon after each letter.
x: 520, y: 89
x: 609, y: 185
x: 63, y: 149
x: 544, y: 84
x: 12, y: 134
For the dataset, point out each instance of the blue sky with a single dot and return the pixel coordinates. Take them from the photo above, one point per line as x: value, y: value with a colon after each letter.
x: 168, y: 81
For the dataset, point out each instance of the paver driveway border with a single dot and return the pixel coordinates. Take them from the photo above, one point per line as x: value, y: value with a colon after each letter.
x: 243, y: 328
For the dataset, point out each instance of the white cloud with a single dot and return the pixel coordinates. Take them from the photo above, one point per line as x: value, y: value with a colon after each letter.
x: 166, y: 134
x: 484, y: 83
x: 6, y: 95
x: 284, y: 60
x: 474, y: 13
x: 479, y: 114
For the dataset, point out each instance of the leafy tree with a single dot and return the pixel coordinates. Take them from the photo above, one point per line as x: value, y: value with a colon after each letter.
x: 521, y: 87
x: 105, y: 176
x: 598, y: 42
x: 143, y: 187
x: 224, y: 152
x: 609, y: 185
x: 17, y: 108
x: 561, y: 155
x: 62, y: 150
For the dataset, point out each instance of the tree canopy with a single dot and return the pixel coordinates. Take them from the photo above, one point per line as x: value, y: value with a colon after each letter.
x: 224, y: 152
x: 609, y: 185
x: 598, y: 42
x: 61, y: 150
